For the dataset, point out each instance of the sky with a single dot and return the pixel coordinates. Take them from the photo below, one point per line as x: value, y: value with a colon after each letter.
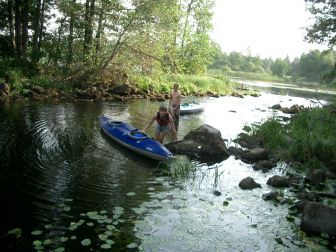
x: 269, y: 28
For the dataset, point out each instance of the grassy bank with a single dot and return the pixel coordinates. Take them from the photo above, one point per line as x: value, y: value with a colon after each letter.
x: 308, y: 140
x: 189, y: 84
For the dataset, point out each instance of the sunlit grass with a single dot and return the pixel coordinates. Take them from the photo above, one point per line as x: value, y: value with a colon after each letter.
x: 188, y: 84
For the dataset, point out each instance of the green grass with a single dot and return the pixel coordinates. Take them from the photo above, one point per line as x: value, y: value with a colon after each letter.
x: 189, y: 84
x: 249, y: 76
x: 308, y: 138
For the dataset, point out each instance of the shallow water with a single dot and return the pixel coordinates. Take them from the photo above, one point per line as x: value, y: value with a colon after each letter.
x: 62, y: 176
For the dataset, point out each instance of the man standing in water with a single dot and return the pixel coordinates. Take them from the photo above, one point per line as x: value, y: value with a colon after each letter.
x: 174, y: 105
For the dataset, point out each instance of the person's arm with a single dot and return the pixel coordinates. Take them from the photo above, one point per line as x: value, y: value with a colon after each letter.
x: 149, y: 124
x: 172, y: 127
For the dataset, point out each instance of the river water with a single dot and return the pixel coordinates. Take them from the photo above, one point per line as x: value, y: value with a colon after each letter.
x: 66, y: 187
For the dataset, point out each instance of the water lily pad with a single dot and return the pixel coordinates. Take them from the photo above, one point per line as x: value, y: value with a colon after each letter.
x: 109, y: 241
x: 132, y: 245
x: 47, y: 242
x: 110, y: 227
x: 67, y: 208
x: 108, y: 233
x: 74, y: 237
x: 86, y: 242
x: 16, y: 231
x: 105, y: 246
x: 64, y: 239
x: 47, y: 226
x: 102, y: 237
x: 131, y: 194
x: 60, y: 249
x: 37, y: 243
x: 36, y: 232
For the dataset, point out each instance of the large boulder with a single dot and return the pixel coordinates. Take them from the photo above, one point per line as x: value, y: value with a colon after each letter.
x: 204, y: 143
x: 318, y: 218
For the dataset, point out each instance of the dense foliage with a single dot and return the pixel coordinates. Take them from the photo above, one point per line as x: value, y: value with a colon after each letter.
x: 69, y: 36
x: 323, y: 30
x: 308, y: 138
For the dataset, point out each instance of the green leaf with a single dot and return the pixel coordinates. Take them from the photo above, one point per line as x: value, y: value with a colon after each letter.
x: 64, y: 239
x: 37, y: 243
x: 132, y: 245
x: 15, y: 231
x: 36, y: 232
x: 67, y: 208
x: 47, y: 242
x: 60, y: 249
x: 102, y: 237
x: 105, y: 246
x: 86, y: 242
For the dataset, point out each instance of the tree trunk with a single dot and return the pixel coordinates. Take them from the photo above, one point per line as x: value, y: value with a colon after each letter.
x: 70, y: 38
x: 41, y: 26
x: 25, y: 17
x: 36, y: 30
x: 89, y: 13
x: 186, y: 23
x: 18, y: 27
x: 100, y: 26
x: 11, y: 26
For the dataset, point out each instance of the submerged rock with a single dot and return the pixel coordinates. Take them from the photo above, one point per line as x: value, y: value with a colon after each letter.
x: 318, y: 218
x: 270, y: 196
x: 204, y: 143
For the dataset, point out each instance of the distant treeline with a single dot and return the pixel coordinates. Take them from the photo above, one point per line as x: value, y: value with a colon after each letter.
x: 314, y: 66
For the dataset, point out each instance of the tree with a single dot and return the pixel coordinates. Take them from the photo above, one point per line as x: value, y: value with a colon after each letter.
x: 323, y: 30
x: 280, y: 67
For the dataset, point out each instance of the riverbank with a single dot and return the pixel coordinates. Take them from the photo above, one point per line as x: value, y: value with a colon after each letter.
x: 306, y: 142
x: 119, y: 88
x: 274, y: 80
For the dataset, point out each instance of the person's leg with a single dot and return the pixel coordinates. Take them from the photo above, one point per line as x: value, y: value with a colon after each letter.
x: 171, y: 112
x: 157, y: 131
x: 162, y: 136
x: 176, y: 117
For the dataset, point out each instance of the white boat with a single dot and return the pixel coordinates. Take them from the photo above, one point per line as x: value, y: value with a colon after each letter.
x: 191, y: 108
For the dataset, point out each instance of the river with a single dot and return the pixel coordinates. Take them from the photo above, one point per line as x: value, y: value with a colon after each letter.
x: 66, y: 187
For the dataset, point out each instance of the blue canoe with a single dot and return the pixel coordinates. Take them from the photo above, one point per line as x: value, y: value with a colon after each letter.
x: 133, y: 139
x: 191, y: 108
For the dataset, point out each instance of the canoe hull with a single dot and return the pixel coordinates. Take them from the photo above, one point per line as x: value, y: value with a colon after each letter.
x: 143, y: 144
x: 191, y: 109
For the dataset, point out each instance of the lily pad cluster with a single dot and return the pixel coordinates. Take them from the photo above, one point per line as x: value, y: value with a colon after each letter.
x: 103, y: 224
